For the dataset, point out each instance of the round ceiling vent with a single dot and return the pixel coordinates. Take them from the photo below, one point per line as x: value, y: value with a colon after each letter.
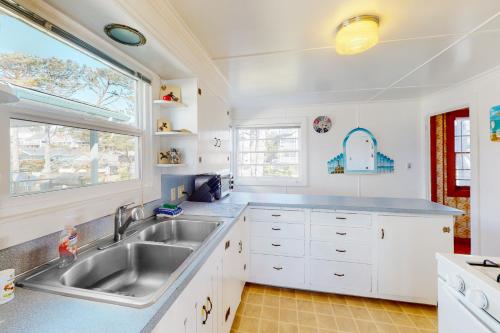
x: 124, y: 34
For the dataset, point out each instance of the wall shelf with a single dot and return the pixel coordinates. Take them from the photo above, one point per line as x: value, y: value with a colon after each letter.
x: 170, y: 104
x: 171, y: 165
x: 173, y: 133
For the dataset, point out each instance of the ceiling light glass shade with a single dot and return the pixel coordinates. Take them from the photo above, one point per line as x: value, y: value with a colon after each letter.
x: 357, y: 34
x: 124, y: 34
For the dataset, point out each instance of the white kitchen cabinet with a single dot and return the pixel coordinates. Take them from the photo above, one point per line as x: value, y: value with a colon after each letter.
x: 215, y: 289
x: 233, y: 272
x: 207, y: 116
x: 406, y: 250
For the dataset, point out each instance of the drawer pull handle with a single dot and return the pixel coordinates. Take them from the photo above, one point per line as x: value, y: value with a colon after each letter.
x: 211, y: 305
x: 278, y: 268
x: 276, y: 229
x: 273, y: 244
x: 341, y: 233
x: 341, y: 218
x: 204, y: 313
x: 382, y: 231
x: 341, y: 251
x: 275, y: 215
x: 339, y: 275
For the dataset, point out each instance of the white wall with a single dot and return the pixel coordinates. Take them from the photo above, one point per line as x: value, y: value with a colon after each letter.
x: 479, y: 95
x: 396, y: 126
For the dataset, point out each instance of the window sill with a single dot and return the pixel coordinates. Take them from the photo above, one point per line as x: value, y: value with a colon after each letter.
x: 269, y: 182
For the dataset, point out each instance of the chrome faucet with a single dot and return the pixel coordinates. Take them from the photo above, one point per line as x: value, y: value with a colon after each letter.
x: 136, y: 214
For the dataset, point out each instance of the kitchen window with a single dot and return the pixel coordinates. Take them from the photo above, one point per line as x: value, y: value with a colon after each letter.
x: 46, y: 157
x: 269, y: 155
x: 79, y: 122
x: 49, y: 70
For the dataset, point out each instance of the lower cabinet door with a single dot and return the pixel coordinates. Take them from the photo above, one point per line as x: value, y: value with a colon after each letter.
x: 407, y: 246
x: 340, y: 276
x: 277, y: 270
x: 206, y: 308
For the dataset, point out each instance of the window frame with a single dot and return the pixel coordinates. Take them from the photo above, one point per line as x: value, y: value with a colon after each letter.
x: 272, y: 181
x: 453, y: 190
x: 88, y: 198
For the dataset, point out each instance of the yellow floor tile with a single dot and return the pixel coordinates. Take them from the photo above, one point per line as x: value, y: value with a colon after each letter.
x: 289, y: 316
x: 268, y: 326
x: 266, y: 309
x: 288, y: 328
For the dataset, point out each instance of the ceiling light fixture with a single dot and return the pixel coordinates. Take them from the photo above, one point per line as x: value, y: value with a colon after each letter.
x: 124, y: 34
x: 357, y: 34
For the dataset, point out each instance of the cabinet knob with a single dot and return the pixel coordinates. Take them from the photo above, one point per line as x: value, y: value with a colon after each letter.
x: 446, y: 230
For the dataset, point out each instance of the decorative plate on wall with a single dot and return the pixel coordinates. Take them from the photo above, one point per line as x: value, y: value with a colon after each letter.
x: 322, y: 124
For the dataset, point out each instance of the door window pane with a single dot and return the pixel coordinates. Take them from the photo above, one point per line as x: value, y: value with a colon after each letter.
x: 462, y: 151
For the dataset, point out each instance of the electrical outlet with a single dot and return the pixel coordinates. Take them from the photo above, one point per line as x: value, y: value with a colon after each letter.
x: 173, y: 194
x: 180, y: 191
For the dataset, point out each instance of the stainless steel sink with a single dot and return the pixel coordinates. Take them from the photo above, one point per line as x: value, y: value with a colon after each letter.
x: 134, y: 269
x: 179, y: 232
x: 134, y: 272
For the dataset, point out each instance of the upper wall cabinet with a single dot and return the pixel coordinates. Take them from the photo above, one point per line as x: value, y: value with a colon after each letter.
x: 198, y: 127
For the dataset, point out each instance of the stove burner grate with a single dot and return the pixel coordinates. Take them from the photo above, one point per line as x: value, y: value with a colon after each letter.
x: 485, y: 263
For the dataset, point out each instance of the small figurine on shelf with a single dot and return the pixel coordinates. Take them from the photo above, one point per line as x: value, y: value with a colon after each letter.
x: 170, y: 157
x: 164, y: 125
x: 170, y: 97
x: 175, y: 156
x: 170, y: 93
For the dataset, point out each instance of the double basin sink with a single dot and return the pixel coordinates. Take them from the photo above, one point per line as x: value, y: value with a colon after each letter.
x: 133, y: 272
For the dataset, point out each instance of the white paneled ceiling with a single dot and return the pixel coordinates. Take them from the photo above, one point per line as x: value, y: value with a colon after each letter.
x: 280, y: 52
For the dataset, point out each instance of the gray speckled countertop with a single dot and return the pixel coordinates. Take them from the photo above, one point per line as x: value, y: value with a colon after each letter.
x: 364, y: 204
x: 33, y: 311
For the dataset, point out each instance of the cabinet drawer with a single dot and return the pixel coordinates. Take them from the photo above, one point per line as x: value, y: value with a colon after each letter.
x: 279, y: 230
x: 335, y: 232
x: 276, y: 270
x: 336, y: 276
x: 342, y: 219
x: 277, y: 246
x: 342, y: 251
x: 277, y: 215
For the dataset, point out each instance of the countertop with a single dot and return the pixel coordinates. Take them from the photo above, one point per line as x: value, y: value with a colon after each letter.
x: 361, y: 204
x: 33, y: 311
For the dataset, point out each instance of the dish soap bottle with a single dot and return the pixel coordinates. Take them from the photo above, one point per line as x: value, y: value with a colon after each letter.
x: 67, y: 246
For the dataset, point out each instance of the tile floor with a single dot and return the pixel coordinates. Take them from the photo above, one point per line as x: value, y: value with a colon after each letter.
x: 276, y: 310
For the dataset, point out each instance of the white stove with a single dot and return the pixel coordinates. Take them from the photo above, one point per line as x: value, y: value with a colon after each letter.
x: 468, y: 293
